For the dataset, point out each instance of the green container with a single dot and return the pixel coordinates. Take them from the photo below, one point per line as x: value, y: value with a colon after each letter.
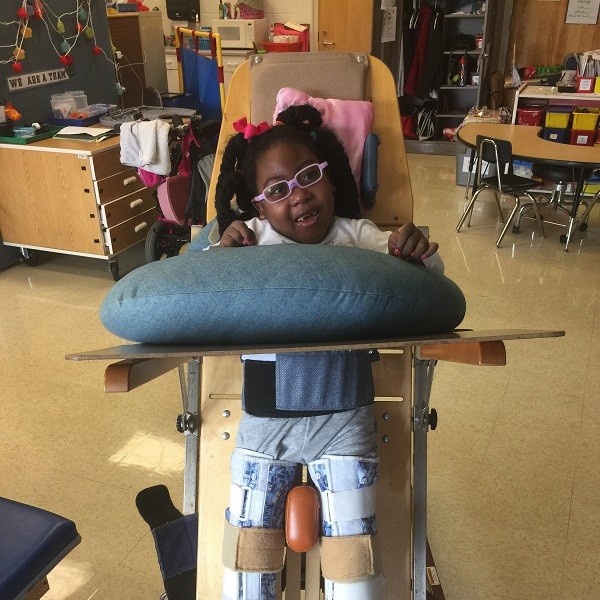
x: 52, y: 131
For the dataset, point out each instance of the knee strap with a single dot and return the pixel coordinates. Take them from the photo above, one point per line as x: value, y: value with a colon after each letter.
x: 349, y: 558
x: 348, y: 505
x: 253, y: 549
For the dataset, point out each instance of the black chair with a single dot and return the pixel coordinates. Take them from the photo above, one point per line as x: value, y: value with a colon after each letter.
x: 503, y: 183
x: 32, y: 542
x: 562, y: 176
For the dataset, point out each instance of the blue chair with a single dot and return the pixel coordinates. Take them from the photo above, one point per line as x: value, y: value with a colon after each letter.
x: 32, y: 542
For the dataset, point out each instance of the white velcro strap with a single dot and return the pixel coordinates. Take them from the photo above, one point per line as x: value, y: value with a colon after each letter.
x: 231, y: 584
x: 246, y: 503
x: 237, y: 497
x: 371, y: 589
x: 348, y: 505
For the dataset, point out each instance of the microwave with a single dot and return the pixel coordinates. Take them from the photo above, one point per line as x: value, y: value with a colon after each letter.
x: 240, y: 33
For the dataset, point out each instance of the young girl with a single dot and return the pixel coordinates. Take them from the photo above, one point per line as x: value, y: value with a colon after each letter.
x: 293, y: 184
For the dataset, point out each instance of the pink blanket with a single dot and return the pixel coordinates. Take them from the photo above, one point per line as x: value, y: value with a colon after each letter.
x: 350, y: 120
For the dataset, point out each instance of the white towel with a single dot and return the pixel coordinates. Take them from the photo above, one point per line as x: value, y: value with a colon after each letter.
x: 145, y: 144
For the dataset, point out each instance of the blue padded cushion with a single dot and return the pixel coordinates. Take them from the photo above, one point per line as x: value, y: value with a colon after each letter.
x: 280, y: 294
x: 32, y: 541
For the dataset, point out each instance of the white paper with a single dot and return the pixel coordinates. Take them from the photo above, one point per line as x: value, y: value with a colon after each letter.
x: 91, y: 131
x: 584, y: 12
x: 387, y: 4
x: 388, y: 29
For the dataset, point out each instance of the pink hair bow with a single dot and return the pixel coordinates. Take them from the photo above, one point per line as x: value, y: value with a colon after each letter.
x: 249, y: 130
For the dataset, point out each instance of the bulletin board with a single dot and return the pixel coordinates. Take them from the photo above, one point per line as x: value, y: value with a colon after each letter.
x: 59, y: 45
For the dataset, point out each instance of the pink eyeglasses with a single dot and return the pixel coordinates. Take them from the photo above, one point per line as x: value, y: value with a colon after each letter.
x: 280, y: 190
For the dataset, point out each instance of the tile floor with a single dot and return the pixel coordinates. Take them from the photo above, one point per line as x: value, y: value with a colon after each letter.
x: 514, y: 506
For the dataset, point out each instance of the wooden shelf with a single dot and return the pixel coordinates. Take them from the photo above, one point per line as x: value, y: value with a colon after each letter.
x: 459, y: 16
x: 459, y: 87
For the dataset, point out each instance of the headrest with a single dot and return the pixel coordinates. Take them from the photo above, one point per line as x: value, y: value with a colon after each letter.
x: 341, y: 75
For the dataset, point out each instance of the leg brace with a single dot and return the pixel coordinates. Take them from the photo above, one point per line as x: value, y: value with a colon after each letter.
x: 349, y: 563
x: 254, y: 545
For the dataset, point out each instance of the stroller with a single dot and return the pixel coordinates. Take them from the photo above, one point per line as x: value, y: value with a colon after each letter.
x: 181, y: 197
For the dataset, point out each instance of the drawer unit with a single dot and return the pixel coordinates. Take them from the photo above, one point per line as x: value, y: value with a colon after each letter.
x: 130, y: 232
x: 173, y: 86
x: 80, y: 199
x: 107, y: 163
x: 230, y: 64
x: 126, y: 208
x: 118, y: 185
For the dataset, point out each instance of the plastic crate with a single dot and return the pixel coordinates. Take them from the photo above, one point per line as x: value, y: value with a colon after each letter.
x: 585, y: 118
x: 582, y: 137
x: 556, y: 134
x: 93, y: 112
x: 530, y: 115
x: 558, y: 116
x: 522, y: 168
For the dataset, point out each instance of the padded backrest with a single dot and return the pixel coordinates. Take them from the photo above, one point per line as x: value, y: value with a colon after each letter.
x: 341, y: 75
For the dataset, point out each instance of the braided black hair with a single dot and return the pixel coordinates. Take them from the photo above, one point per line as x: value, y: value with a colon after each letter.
x: 298, y: 124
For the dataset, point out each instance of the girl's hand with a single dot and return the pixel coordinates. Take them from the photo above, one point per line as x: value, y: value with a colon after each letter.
x: 238, y: 234
x: 409, y: 243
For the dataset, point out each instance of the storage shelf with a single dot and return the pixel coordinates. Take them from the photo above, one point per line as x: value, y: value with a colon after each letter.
x: 458, y: 87
x: 453, y: 115
x: 469, y: 52
x: 441, y: 146
x: 455, y: 16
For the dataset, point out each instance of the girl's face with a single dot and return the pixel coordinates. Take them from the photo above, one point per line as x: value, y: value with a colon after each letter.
x: 306, y: 215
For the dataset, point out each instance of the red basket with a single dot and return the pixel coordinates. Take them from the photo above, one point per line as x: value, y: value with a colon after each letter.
x: 530, y: 115
x: 282, y: 47
x: 582, y: 137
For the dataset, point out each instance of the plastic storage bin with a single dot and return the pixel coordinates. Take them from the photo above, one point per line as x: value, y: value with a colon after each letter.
x: 558, y: 116
x: 585, y: 118
x: 80, y: 99
x: 523, y: 168
x: 556, y: 134
x: 62, y: 105
x: 582, y: 137
x: 530, y: 115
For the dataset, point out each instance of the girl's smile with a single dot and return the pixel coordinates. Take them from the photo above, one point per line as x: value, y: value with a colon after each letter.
x: 306, y: 215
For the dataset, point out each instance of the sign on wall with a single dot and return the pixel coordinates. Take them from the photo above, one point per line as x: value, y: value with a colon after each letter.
x: 30, y: 80
x: 584, y: 12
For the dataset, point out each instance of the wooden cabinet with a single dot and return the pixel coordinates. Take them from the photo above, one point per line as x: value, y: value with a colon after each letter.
x: 173, y: 84
x: 231, y: 61
x: 139, y: 41
x: 71, y: 198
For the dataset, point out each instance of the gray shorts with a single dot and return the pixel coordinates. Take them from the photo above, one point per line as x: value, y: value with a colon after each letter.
x: 304, y: 439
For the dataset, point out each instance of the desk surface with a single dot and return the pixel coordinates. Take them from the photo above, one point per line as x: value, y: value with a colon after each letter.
x: 145, y: 351
x: 66, y: 146
x: 527, y: 145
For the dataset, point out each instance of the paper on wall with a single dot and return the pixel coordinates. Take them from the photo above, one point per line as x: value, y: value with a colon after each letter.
x: 388, y: 29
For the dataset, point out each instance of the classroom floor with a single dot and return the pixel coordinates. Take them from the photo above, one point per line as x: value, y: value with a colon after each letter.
x: 514, y: 484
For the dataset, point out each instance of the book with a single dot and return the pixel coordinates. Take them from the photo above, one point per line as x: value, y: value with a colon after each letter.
x: 85, y: 134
